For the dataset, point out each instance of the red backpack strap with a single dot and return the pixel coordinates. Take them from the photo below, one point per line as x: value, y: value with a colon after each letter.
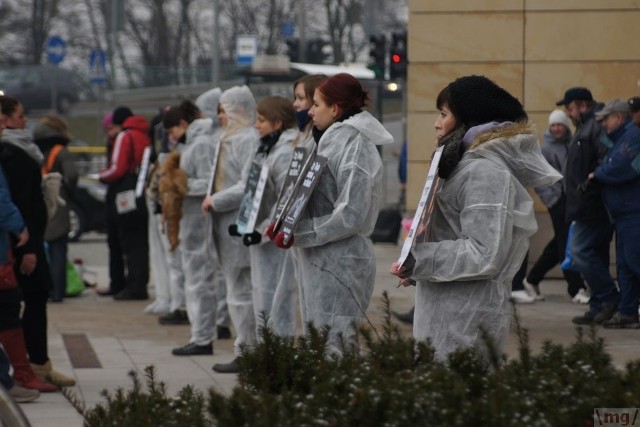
x: 51, y: 159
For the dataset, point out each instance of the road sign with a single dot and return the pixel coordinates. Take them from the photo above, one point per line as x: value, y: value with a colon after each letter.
x: 246, y: 49
x: 288, y: 29
x: 56, y: 50
x: 97, y: 66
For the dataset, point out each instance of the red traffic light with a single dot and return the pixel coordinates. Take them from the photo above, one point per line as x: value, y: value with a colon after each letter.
x: 395, y: 58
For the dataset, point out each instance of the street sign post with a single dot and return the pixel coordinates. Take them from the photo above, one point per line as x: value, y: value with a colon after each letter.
x: 98, y: 66
x: 56, y: 50
x: 246, y: 49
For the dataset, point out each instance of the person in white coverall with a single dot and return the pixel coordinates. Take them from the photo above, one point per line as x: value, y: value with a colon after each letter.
x: 335, y: 256
x: 208, y: 103
x: 481, y: 222
x: 273, y: 296
x: 184, y: 123
x: 238, y: 143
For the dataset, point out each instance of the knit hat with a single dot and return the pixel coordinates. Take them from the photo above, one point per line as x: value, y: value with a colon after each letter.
x: 120, y: 114
x: 475, y: 100
x: 559, y: 117
x: 107, y: 120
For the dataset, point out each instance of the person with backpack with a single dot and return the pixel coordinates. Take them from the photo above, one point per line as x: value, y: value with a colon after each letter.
x: 51, y: 135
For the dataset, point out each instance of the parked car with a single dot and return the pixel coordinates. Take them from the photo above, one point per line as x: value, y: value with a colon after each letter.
x: 88, y: 210
x: 34, y: 86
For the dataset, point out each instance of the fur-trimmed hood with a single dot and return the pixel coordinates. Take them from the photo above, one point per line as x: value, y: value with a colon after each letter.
x: 516, y: 147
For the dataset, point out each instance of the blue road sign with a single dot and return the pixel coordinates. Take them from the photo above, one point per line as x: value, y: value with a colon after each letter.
x: 97, y: 66
x: 56, y: 50
x: 288, y: 29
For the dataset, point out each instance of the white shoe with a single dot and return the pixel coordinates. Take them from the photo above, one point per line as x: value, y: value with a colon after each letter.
x: 581, y: 297
x: 522, y: 297
x: 156, y: 307
x: 533, y: 290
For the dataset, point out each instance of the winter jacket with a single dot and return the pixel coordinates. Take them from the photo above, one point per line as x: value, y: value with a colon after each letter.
x: 555, y: 152
x: 481, y: 224
x: 619, y: 174
x: 584, y: 155
x: 128, y: 148
x: 59, y: 225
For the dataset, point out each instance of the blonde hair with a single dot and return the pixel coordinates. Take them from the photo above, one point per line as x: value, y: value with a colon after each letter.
x: 58, y: 123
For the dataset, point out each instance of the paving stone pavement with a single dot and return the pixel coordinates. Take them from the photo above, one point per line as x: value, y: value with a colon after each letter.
x: 126, y: 339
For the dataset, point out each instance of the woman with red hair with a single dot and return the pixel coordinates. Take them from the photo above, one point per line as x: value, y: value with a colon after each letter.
x: 336, y: 259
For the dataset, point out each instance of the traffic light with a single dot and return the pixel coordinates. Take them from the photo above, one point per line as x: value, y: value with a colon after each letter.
x: 398, y: 56
x: 292, y: 49
x: 377, y: 54
x: 316, y: 51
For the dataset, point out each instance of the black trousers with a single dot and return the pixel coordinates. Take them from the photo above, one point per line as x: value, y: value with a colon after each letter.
x: 128, y: 241
x: 554, y: 252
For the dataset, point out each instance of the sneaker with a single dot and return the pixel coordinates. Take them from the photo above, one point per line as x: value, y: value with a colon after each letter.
x: 606, y: 312
x: 405, y: 317
x: 126, y: 295
x: 23, y: 395
x: 622, y: 321
x: 224, y: 333
x: 586, y: 319
x: 176, y: 317
x: 193, y: 349
x: 581, y: 297
x: 533, y: 290
x: 522, y: 297
x: 232, y: 367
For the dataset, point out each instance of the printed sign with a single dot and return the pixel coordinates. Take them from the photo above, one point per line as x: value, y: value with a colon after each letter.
x: 422, y: 218
x: 253, y: 191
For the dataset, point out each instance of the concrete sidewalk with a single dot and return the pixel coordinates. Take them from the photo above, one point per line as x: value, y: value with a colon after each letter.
x: 123, y: 338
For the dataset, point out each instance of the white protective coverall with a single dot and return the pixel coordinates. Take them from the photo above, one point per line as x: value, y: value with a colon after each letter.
x: 166, y: 266
x: 482, y: 221
x: 336, y: 259
x: 272, y: 296
x: 239, y: 142
x: 203, y: 274
x: 208, y: 103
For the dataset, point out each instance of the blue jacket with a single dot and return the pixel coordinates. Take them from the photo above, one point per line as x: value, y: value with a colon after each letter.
x: 10, y: 218
x: 619, y: 173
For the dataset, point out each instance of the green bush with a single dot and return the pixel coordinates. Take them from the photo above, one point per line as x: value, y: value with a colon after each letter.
x: 392, y: 381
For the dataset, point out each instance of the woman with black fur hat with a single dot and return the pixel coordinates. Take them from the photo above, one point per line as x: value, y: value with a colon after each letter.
x: 482, y: 219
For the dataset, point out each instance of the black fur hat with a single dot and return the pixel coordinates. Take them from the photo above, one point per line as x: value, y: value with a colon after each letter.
x: 474, y: 100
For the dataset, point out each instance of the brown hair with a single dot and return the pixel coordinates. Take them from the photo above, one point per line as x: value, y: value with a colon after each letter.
x: 58, y: 123
x: 8, y: 104
x: 274, y: 108
x: 310, y: 83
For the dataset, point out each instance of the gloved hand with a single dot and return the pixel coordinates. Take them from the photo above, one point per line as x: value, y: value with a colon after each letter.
x: 271, y: 231
x: 233, y: 231
x: 252, y: 239
x: 279, y: 241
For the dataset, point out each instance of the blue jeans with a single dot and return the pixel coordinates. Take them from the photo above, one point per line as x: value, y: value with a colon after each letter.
x: 590, y: 250
x: 5, y: 378
x: 628, y: 261
x: 57, y: 250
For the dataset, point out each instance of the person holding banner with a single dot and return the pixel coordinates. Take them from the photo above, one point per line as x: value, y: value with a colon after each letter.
x: 184, y: 123
x: 273, y: 295
x: 238, y: 142
x: 335, y: 257
x: 481, y: 221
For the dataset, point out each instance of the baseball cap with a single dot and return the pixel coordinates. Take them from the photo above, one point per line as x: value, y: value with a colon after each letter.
x: 575, y: 94
x: 634, y: 104
x: 613, y: 106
